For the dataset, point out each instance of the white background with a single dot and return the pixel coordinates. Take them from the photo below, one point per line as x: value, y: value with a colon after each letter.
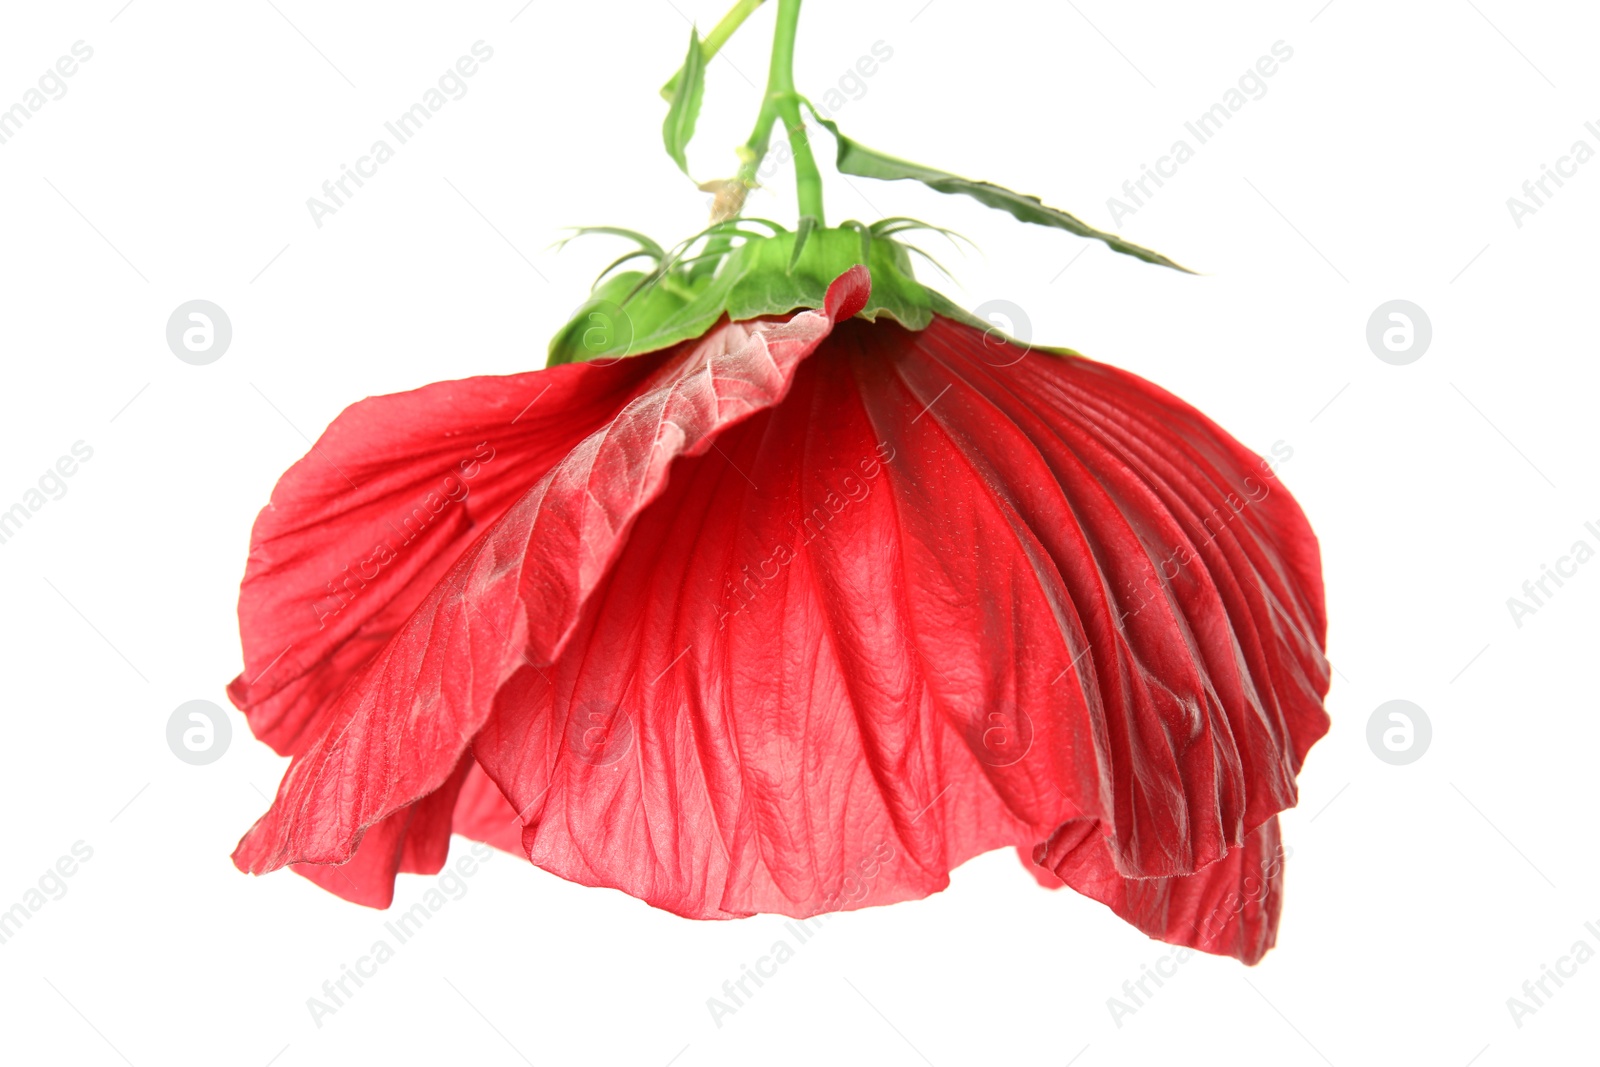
x: 1377, y: 166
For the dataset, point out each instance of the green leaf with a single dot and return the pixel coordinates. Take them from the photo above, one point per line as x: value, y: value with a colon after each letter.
x: 801, y: 233
x: 857, y: 159
x: 688, y: 88
x: 718, y: 36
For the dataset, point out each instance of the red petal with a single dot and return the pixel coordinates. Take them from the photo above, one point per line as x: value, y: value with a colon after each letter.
x: 1193, y: 574
x: 394, y: 734
x: 484, y: 814
x: 357, y: 533
x: 940, y: 599
x: 972, y: 644
x: 387, y: 499
x: 415, y: 839
x: 1230, y: 907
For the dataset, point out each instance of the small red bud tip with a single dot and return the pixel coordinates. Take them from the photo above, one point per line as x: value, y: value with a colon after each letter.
x: 848, y: 293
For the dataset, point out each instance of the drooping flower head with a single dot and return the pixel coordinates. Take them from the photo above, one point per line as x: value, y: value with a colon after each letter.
x: 788, y: 587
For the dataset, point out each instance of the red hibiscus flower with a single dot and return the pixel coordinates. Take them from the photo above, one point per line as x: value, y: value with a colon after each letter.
x: 793, y: 612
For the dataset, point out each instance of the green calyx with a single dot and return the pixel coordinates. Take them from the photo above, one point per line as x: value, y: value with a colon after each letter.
x: 633, y: 312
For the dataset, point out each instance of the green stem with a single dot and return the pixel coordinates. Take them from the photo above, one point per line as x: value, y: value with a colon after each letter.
x: 717, y: 37
x: 783, y: 102
x: 731, y: 21
x: 780, y: 101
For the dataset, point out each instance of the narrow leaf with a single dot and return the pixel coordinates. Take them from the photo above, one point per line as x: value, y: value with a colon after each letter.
x: 866, y: 237
x: 645, y: 242
x: 678, y: 129
x: 803, y: 231
x: 859, y: 160
x: 628, y: 257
